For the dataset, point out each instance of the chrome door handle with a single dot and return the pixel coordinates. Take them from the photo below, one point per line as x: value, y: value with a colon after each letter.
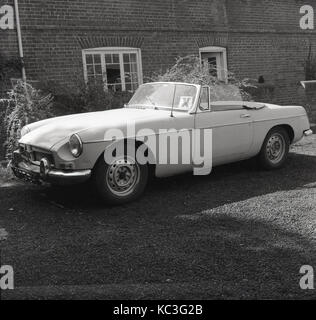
x: 244, y: 116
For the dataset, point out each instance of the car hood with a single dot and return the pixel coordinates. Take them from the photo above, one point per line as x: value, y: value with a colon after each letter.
x: 45, y: 134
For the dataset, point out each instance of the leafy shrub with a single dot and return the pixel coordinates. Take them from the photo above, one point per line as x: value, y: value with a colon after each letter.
x: 5, y: 105
x: 95, y: 97
x: 189, y: 69
x: 85, y: 98
x: 5, y: 174
x: 29, y: 105
x: 263, y: 92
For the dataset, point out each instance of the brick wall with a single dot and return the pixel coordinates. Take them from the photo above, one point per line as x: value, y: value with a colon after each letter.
x: 265, y: 15
x: 55, y: 32
x: 279, y: 60
x: 124, y: 14
x: 263, y: 37
x: 8, y: 38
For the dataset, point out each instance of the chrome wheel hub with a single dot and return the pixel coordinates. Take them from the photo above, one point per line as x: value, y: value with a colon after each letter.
x: 276, y: 148
x: 122, y: 177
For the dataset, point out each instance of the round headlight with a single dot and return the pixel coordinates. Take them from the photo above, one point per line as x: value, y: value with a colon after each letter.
x: 25, y: 130
x: 75, y: 145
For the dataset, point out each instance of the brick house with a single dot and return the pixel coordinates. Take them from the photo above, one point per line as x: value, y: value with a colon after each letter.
x: 64, y: 40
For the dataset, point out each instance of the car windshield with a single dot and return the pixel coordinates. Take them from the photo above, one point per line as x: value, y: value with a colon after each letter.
x: 164, y: 95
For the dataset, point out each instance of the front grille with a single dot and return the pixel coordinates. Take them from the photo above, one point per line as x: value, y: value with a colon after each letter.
x: 34, y: 155
x: 38, y: 156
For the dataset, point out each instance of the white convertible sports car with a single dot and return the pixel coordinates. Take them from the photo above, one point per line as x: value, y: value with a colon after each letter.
x: 72, y: 149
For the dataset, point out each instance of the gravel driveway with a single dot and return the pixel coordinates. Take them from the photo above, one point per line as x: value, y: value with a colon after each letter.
x: 239, y: 233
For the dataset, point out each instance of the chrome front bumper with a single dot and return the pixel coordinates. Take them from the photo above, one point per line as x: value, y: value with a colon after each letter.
x: 34, y: 173
x: 308, y: 133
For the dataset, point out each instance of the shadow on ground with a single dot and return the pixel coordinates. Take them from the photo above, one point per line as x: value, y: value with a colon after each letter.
x: 239, y: 233
x: 187, y: 194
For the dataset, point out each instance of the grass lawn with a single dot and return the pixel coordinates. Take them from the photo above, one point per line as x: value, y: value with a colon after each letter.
x: 240, y: 233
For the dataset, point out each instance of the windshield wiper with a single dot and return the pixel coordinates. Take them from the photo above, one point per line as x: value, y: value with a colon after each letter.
x: 135, y: 106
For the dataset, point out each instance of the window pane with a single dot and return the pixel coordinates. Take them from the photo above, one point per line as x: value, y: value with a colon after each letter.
x: 98, y: 69
x: 108, y: 58
x: 134, y: 77
x: 90, y: 70
x: 126, y: 58
x: 113, y: 73
x: 89, y: 59
x: 204, y: 105
x: 97, y: 59
x: 116, y: 58
x: 133, y: 57
x: 128, y: 77
x: 212, y: 62
x: 94, y: 66
x: 134, y: 67
x: 127, y: 68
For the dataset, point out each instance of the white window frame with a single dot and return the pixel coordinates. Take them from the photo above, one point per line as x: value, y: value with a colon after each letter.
x: 114, y: 50
x: 222, y: 73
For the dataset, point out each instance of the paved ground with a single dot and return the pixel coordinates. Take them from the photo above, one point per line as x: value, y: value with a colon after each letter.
x: 239, y: 233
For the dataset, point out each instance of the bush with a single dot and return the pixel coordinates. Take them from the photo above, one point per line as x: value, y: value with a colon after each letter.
x: 94, y: 97
x: 28, y: 105
x: 6, y: 174
x: 85, y: 98
x: 190, y: 70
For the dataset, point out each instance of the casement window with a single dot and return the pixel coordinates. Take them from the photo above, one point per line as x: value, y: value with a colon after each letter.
x: 120, y: 69
x: 216, y: 59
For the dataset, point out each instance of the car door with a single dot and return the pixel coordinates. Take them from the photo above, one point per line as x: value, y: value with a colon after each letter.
x: 232, y: 127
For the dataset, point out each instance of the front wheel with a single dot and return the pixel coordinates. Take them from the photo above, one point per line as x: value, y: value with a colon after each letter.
x: 275, y: 149
x: 123, y: 181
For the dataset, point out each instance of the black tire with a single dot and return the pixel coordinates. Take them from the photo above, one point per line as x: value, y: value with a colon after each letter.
x: 275, y: 149
x: 105, y: 183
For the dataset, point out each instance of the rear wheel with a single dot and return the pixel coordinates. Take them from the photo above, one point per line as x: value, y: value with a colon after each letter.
x: 275, y: 149
x: 120, y: 182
